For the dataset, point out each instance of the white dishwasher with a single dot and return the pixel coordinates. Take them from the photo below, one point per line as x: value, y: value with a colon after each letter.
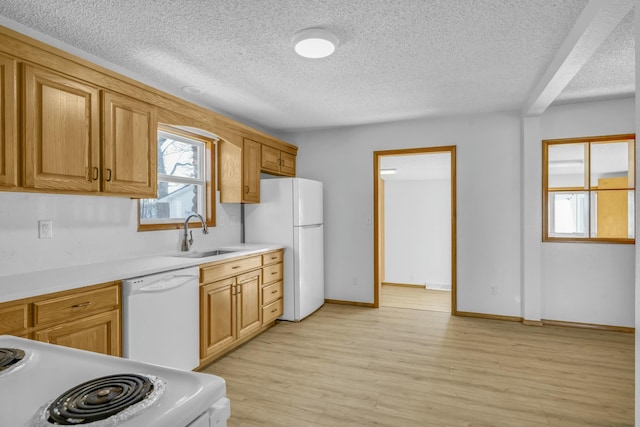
x: 160, y: 318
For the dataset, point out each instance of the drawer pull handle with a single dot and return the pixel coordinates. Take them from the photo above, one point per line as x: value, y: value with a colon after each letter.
x: 274, y: 272
x: 235, y: 266
x: 274, y: 310
x: 83, y: 304
x: 274, y: 257
x: 274, y: 292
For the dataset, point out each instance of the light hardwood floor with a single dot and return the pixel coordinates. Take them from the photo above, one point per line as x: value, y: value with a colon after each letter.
x: 415, y: 298
x: 355, y: 366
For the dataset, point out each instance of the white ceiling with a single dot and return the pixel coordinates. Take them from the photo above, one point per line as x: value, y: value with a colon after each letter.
x: 396, y: 60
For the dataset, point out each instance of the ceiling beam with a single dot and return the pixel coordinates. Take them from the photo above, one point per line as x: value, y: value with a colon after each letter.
x: 592, y: 28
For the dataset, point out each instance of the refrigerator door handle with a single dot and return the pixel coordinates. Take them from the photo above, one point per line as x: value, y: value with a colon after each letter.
x: 310, y: 226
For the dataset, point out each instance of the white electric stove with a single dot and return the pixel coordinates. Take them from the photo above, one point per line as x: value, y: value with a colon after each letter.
x: 46, y: 385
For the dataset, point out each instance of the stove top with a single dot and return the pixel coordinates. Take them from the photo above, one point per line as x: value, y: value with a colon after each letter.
x: 45, y: 385
x: 9, y: 357
x: 110, y: 398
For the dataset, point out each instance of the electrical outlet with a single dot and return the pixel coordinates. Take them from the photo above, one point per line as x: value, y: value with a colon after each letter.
x: 45, y: 229
x: 494, y: 290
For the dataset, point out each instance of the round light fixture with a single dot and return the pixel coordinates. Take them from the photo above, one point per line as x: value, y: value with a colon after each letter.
x: 314, y: 43
x: 192, y: 90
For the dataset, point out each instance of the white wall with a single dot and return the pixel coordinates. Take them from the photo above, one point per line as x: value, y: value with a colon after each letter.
x: 488, y: 183
x: 88, y: 229
x: 637, y: 245
x: 586, y: 282
x: 417, y: 243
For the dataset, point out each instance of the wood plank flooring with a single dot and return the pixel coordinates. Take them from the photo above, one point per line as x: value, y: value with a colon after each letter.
x: 415, y: 298
x: 356, y: 366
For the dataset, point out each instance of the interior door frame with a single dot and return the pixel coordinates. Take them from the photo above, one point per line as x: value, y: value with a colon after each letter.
x: 378, y: 217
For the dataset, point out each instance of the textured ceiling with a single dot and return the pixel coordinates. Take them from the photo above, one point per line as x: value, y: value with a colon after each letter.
x: 610, y: 72
x: 396, y: 60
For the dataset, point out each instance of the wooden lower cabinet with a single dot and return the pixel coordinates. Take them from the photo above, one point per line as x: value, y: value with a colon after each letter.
x: 88, y: 318
x: 98, y: 333
x: 230, y: 311
x: 217, y: 316
x: 232, y: 302
x: 248, y: 303
x: 14, y: 318
x: 272, y: 286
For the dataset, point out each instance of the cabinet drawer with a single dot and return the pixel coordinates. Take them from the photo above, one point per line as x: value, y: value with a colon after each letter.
x: 229, y: 268
x: 272, y: 311
x: 79, y: 304
x: 271, y: 292
x: 14, y: 318
x: 271, y: 273
x: 272, y: 258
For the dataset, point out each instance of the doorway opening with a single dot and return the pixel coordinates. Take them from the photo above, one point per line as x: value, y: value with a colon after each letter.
x: 415, y: 228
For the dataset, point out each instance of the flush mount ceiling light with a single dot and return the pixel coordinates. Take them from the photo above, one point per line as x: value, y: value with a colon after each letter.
x: 192, y: 90
x: 388, y: 171
x: 314, y: 43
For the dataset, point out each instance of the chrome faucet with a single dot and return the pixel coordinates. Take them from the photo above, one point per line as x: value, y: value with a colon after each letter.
x: 187, y: 238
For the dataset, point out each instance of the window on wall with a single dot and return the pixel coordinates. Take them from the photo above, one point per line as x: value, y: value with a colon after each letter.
x: 589, y: 189
x: 184, y: 181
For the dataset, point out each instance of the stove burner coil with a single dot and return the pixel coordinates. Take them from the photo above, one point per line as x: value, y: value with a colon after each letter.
x: 99, y: 398
x: 9, y: 357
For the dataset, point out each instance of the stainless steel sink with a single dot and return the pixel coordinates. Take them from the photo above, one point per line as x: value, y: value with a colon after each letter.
x: 205, y: 254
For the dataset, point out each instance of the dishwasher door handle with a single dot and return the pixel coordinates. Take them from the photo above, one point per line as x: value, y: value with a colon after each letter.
x: 166, y: 283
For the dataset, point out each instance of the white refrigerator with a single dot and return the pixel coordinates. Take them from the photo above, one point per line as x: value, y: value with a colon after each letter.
x: 290, y: 213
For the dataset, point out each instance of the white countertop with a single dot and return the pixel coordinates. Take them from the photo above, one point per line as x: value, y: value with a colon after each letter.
x: 35, y: 283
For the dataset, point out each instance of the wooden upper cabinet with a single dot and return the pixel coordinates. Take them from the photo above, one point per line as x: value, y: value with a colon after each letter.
x: 277, y: 162
x: 288, y: 164
x: 8, y: 123
x: 61, y: 132
x: 270, y: 161
x: 250, y: 171
x: 130, y: 147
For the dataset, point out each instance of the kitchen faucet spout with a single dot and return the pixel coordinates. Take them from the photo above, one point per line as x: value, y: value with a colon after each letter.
x: 187, y: 237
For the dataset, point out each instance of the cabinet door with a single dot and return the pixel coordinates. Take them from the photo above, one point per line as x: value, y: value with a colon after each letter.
x: 8, y: 123
x: 14, y: 318
x: 61, y: 132
x: 287, y: 164
x: 251, y: 171
x: 248, y: 301
x: 270, y: 159
x: 99, y: 333
x: 217, y: 316
x: 130, y: 147
x: 230, y: 172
